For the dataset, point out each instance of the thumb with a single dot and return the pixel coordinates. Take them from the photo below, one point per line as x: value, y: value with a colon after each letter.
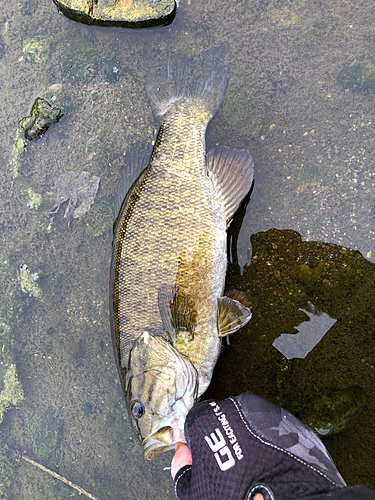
x: 181, y: 457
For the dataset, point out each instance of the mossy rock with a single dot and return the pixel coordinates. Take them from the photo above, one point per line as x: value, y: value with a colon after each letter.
x: 333, y: 410
x: 78, y: 61
x: 41, y: 117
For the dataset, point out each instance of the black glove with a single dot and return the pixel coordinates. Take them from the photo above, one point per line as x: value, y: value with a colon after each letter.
x: 246, y: 445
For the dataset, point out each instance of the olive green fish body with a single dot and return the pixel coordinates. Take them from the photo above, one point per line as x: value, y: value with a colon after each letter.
x: 168, y: 312
x: 175, y: 234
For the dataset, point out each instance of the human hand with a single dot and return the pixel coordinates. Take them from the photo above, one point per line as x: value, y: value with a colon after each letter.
x: 245, y: 447
x: 183, y: 457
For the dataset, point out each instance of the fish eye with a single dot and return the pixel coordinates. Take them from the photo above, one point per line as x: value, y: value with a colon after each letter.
x: 137, y: 409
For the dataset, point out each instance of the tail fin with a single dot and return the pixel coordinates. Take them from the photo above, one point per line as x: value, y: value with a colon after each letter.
x: 185, y: 79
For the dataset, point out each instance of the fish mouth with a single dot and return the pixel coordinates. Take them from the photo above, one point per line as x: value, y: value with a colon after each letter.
x: 160, y: 441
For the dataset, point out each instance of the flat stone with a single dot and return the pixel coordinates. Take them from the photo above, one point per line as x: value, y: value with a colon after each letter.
x: 125, y: 13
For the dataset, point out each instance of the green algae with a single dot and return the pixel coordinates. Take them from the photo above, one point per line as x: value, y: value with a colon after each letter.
x: 100, y: 218
x: 36, y: 48
x: 8, y: 288
x: 12, y: 393
x: 33, y: 199
x: 28, y: 283
x: 359, y: 76
x: 17, y: 150
x: 45, y: 431
x: 78, y: 61
x: 308, y: 176
x: 88, y: 410
x: 243, y: 112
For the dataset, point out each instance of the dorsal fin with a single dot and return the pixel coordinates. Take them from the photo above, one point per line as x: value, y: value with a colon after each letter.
x: 231, y: 172
x: 136, y: 160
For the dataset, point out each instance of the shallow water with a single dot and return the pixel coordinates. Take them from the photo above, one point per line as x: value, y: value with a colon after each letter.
x: 312, y: 140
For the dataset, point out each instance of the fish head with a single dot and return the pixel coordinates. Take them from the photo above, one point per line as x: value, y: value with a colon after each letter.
x: 161, y: 387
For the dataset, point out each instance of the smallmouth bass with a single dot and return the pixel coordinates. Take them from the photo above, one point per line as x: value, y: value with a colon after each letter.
x: 169, y: 254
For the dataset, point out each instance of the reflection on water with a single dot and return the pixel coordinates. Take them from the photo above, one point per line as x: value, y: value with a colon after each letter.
x: 312, y: 140
x: 309, y: 334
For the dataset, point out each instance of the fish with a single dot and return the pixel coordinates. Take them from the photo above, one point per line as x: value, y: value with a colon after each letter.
x: 168, y: 308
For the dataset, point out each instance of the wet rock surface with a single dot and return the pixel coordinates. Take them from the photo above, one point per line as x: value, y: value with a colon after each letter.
x: 129, y: 14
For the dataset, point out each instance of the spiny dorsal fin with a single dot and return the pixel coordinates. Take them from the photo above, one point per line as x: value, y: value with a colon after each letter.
x: 232, y: 316
x: 177, y: 312
x: 231, y: 172
x: 136, y: 160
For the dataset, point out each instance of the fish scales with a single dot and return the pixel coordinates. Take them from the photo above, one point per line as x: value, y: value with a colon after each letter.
x: 168, y: 312
x: 174, y: 234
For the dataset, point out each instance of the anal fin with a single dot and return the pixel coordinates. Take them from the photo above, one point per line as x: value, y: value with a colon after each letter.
x: 232, y: 316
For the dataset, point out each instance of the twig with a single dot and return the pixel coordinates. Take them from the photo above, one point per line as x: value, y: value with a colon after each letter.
x: 19, y: 455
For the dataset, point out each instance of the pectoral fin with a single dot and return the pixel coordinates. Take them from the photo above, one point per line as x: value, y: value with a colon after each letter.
x: 177, y: 313
x: 232, y: 316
